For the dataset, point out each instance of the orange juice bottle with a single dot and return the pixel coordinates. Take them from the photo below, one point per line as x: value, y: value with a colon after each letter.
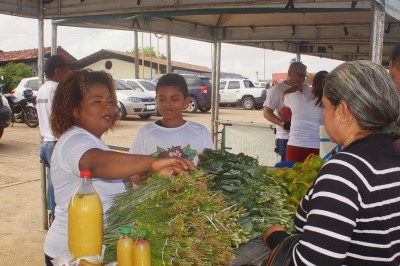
x: 125, y: 247
x: 141, y: 250
x: 85, y: 220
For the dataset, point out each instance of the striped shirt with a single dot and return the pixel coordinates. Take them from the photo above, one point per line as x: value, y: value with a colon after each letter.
x: 351, y: 214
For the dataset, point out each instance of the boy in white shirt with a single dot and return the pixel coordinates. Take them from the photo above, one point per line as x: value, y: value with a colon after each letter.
x: 172, y: 135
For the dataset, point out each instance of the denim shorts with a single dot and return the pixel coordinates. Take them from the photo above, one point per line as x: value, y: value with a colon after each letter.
x: 281, y: 145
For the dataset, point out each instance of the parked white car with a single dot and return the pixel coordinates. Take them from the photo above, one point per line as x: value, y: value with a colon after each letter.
x: 32, y: 83
x: 260, y: 84
x: 142, y: 85
x: 134, y: 102
x: 241, y: 92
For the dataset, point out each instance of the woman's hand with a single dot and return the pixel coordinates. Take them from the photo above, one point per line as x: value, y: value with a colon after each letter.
x: 294, y: 88
x: 272, y: 229
x: 173, y: 166
x: 140, y: 179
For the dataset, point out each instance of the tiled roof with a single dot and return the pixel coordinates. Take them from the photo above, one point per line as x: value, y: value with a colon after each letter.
x: 29, y: 55
x: 164, y: 62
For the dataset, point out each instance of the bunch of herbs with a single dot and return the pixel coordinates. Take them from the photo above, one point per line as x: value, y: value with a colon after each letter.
x: 187, y: 224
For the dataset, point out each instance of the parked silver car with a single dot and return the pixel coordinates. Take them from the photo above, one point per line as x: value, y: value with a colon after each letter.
x: 134, y: 102
x: 142, y: 85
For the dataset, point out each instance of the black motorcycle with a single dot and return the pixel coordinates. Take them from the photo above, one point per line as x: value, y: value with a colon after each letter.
x: 23, y: 110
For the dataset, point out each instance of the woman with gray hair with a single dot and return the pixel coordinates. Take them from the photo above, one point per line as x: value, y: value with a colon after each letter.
x: 351, y: 214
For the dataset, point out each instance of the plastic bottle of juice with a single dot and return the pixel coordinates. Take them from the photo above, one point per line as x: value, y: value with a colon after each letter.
x: 125, y: 247
x: 141, y: 250
x: 85, y: 220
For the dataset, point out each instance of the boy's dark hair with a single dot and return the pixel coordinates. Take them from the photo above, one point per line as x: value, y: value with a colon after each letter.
x: 173, y: 79
x: 395, y: 55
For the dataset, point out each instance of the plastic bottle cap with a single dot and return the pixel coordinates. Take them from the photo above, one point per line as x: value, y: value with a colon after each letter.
x: 141, y: 233
x: 86, y: 174
x: 125, y: 230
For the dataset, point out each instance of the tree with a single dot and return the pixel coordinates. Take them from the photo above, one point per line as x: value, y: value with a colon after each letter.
x: 13, y: 73
x: 149, y: 52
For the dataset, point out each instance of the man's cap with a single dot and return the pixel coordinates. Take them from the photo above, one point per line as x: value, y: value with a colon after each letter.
x: 56, y: 61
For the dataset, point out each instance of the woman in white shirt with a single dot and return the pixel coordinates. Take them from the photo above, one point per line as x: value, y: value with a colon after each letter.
x: 306, y: 107
x: 84, y: 108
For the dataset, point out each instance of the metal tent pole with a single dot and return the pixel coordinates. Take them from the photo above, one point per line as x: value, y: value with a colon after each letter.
x: 377, y: 31
x: 215, y: 91
x: 168, y: 42
x: 43, y: 179
x: 136, y: 54
x: 53, y: 39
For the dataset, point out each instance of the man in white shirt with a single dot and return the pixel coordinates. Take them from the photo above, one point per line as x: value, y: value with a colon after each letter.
x: 297, y: 74
x: 56, y: 69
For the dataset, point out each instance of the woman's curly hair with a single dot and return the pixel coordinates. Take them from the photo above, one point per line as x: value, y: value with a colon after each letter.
x: 70, y: 93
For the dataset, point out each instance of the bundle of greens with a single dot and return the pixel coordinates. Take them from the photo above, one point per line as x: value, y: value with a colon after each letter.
x: 187, y: 224
x: 250, y: 186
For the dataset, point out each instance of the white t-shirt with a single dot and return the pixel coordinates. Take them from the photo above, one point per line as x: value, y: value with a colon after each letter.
x: 274, y: 101
x: 43, y: 105
x: 306, y: 119
x: 65, y: 177
x: 186, y: 141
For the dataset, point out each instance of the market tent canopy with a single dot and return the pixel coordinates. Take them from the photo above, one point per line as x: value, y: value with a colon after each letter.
x: 332, y: 29
x: 338, y: 29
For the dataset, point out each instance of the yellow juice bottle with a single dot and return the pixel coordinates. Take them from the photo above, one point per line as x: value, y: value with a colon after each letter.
x: 125, y: 247
x: 141, y: 250
x: 85, y: 221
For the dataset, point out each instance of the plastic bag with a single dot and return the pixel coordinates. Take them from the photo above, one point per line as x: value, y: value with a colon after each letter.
x: 67, y: 259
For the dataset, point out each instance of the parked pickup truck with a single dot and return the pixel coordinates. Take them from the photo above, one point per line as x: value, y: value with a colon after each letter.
x: 241, y: 92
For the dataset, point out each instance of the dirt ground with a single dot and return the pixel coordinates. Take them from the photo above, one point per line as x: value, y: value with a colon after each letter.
x: 22, y: 230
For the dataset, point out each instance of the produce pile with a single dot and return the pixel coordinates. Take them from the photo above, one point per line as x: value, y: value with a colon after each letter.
x: 250, y: 186
x: 187, y: 224
x: 199, y: 219
x: 297, y: 180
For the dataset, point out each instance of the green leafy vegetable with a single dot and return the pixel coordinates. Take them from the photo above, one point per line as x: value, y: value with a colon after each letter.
x: 251, y: 186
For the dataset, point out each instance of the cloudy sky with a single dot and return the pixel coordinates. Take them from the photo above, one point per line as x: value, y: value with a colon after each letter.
x: 22, y: 33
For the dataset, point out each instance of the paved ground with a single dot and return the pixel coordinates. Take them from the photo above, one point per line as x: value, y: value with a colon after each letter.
x: 21, y: 224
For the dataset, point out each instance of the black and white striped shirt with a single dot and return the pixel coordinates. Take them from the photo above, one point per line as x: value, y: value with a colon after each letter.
x: 351, y: 214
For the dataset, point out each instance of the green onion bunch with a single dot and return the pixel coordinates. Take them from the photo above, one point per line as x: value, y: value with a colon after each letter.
x: 186, y: 223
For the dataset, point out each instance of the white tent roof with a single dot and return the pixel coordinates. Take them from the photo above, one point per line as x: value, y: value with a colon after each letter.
x: 339, y: 29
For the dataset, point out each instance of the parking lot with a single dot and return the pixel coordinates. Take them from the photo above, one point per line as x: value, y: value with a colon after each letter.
x: 21, y: 227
